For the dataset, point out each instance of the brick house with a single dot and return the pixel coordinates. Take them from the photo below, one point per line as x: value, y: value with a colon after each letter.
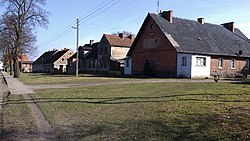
x: 87, y: 59
x: 112, y: 50
x: 24, y: 63
x: 54, y: 61
x: 174, y: 47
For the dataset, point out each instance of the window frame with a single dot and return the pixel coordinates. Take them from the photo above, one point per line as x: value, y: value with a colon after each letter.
x: 220, y: 63
x: 232, y: 64
x: 184, y: 61
x: 246, y: 64
x: 201, y: 61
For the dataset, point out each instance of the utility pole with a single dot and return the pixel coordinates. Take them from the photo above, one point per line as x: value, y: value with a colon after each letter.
x: 77, y: 45
x: 158, y: 6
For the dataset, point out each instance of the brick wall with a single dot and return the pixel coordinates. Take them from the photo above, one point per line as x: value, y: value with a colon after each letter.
x: 162, y: 56
x: 226, y: 71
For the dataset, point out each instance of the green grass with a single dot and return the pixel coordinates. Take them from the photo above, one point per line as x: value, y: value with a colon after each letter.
x: 17, y: 122
x: 150, y: 111
x: 43, y: 78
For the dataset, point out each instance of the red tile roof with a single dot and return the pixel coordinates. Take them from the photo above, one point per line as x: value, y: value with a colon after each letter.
x: 117, y: 41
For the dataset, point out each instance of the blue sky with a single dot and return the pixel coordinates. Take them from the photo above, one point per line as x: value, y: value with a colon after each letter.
x: 128, y: 15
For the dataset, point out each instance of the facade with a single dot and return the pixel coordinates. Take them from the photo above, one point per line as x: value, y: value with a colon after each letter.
x: 24, y: 63
x: 175, y: 47
x: 54, y: 61
x: 87, y: 59
x: 26, y: 66
x: 112, y: 51
x: 1, y: 66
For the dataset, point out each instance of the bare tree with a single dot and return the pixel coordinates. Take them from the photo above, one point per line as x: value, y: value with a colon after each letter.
x: 27, y: 15
x: 126, y: 33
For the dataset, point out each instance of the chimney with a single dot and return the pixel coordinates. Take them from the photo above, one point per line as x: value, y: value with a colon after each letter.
x: 131, y: 37
x: 91, y: 42
x: 168, y: 15
x: 201, y: 20
x: 121, y: 35
x: 229, y: 26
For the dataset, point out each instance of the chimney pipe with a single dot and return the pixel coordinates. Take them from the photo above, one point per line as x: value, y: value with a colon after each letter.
x: 201, y: 20
x: 121, y: 35
x: 229, y: 26
x: 91, y: 42
x: 168, y: 15
x: 131, y: 37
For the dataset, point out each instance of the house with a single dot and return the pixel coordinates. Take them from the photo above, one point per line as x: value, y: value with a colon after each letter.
x: 87, y: 59
x: 112, y: 50
x: 175, y: 47
x: 1, y: 66
x: 54, y: 61
x: 24, y: 63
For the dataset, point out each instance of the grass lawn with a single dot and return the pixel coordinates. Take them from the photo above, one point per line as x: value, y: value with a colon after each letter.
x: 16, y: 121
x: 150, y: 111
x: 43, y: 78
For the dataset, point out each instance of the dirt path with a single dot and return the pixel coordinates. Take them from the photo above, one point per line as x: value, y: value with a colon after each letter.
x: 45, y: 131
x: 35, y: 87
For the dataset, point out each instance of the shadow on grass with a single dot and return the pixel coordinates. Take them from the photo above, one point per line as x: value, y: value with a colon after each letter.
x: 127, y: 100
x: 188, y: 127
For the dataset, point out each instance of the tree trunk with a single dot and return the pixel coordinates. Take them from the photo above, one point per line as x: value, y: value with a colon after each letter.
x: 16, y: 68
x: 11, y: 66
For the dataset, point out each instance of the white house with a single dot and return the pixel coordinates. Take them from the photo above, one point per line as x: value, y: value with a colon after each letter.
x: 1, y: 66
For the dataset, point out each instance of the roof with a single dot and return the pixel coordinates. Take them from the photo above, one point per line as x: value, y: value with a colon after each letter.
x: 92, y: 48
x: 116, y: 41
x: 189, y: 36
x: 50, y: 56
x: 94, y: 52
x: 57, y: 55
x: 45, y: 57
x: 23, y: 57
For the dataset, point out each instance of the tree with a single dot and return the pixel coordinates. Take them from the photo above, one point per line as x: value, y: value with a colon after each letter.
x: 126, y: 33
x: 26, y: 15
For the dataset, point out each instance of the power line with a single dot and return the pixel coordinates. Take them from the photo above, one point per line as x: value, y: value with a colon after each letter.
x: 68, y: 29
x: 111, y: 13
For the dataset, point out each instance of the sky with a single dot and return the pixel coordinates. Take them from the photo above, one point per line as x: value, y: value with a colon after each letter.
x: 98, y: 17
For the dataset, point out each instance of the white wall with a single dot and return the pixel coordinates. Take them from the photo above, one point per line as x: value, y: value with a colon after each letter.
x: 200, y: 71
x: 1, y: 65
x: 184, y: 71
x: 128, y: 70
x: 191, y: 70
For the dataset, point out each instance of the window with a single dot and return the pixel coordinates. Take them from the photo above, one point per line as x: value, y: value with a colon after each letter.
x: 152, y: 26
x: 201, y: 61
x: 106, y: 50
x: 127, y: 63
x: 101, y: 51
x: 220, y: 63
x: 89, y: 64
x: 247, y: 64
x: 94, y: 64
x: 158, y: 60
x: 105, y: 64
x: 62, y: 59
x: 184, y: 61
x: 232, y: 63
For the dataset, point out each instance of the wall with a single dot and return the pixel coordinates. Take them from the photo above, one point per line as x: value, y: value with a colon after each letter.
x: 119, y: 53
x: 184, y: 71
x: 200, y: 71
x: 128, y: 66
x: 162, y: 56
x: 227, y: 71
x: 63, y: 60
